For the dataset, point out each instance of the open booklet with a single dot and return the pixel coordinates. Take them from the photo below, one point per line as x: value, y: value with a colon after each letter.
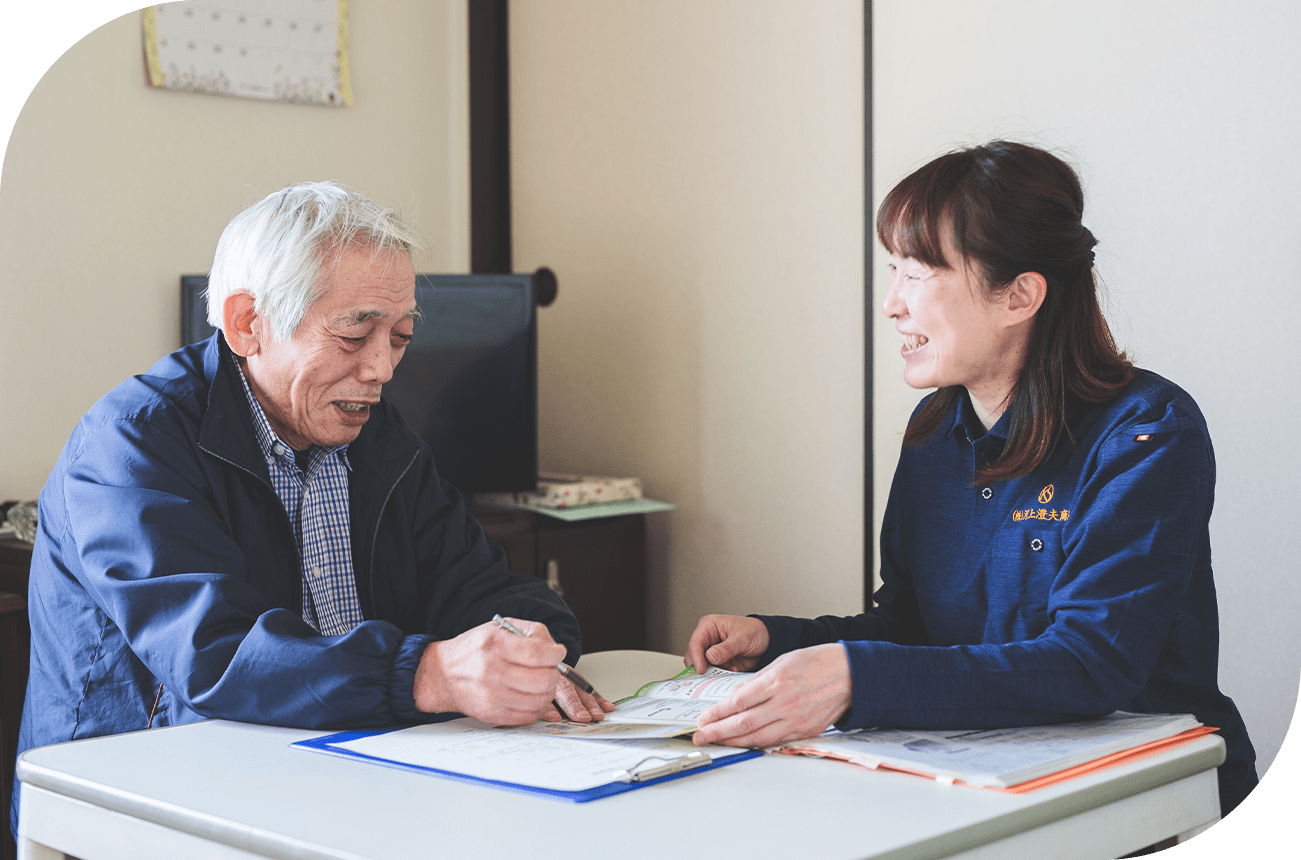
x: 660, y: 709
x: 1014, y: 759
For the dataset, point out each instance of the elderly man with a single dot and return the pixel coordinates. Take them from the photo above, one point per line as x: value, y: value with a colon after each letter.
x: 249, y: 532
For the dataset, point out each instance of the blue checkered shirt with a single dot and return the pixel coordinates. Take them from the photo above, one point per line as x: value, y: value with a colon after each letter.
x: 317, y: 504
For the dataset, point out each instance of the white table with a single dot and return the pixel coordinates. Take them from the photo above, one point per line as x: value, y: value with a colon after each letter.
x: 230, y: 790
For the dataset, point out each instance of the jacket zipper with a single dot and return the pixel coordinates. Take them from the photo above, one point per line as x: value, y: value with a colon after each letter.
x: 378, y: 519
x: 374, y: 541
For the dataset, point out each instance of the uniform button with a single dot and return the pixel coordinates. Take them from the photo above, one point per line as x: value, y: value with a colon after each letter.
x: 987, y: 493
x: 279, y: 450
x: 316, y: 573
x: 1036, y: 544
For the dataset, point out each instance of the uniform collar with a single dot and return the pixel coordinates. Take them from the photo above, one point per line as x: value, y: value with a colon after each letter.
x: 966, y: 425
x: 964, y: 417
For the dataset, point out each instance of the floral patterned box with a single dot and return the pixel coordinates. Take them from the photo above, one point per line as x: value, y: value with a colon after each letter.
x: 566, y: 491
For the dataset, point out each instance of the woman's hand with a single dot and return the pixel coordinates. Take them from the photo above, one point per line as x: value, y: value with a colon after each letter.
x: 797, y: 696
x: 729, y: 641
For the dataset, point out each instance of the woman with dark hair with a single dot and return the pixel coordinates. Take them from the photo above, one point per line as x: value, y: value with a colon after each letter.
x: 1045, y: 553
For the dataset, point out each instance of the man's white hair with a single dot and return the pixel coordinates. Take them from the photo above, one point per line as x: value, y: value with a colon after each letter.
x: 274, y: 249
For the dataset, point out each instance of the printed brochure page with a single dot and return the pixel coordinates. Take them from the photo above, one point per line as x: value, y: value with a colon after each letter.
x: 679, y: 700
x: 659, y: 709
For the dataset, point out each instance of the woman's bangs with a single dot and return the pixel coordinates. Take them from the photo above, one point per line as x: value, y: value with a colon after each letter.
x: 910, y: 226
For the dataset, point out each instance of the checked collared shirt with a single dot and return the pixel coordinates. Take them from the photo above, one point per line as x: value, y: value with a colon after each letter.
x: 315, y: 497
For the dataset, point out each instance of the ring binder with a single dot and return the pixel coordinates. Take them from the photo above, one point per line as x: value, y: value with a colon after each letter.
x: 638, y: 773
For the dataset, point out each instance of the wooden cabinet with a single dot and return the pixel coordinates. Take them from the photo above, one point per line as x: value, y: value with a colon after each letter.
x: 598, y: 566
x: 15, y: 644
x: 15, y: 560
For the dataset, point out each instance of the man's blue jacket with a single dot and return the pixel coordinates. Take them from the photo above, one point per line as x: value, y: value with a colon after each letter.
x: 165, y: 584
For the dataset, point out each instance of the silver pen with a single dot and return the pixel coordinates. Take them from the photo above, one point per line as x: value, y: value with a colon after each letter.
x: 565, y: 669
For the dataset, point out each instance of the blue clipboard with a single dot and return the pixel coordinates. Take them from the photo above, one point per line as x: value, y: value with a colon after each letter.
x: 632, y: 779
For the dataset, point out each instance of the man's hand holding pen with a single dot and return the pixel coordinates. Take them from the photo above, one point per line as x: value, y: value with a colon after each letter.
x: 502, y: 678
x: 575, y: 698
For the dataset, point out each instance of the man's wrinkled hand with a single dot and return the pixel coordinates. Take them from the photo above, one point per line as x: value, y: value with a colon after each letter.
x: 491, y: 674
x: 577, y: 705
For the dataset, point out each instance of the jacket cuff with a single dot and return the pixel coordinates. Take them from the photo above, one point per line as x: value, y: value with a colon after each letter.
x: 856, y: 716
x: 402, y: 680
x: 784, y: 634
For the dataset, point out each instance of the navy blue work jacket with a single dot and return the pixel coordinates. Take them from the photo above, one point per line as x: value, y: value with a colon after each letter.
x: 165, y: 578
x: 1078, y: 590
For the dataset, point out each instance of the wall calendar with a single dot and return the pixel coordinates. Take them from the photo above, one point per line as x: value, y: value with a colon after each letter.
x: 277, y: 50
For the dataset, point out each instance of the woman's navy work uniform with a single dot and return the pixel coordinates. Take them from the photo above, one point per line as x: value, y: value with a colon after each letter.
x: 1078, y: 590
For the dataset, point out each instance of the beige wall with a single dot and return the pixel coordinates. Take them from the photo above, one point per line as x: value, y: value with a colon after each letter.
x: 1183, y: 118
x: 111, y: 190
x: 693, y: 172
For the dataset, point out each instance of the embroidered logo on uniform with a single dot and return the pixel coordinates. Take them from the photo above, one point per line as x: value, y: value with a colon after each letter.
x: 1040, y: 514
x: 1143, y: 437
x: 1054, y: 515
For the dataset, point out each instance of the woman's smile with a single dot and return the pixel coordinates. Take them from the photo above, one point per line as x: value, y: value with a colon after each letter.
x: 913, y: 342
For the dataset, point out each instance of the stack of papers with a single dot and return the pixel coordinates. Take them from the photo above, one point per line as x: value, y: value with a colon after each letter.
x: 1025, y: 757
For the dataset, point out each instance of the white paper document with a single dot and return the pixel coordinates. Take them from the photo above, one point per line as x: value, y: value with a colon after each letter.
x: 520, y: 756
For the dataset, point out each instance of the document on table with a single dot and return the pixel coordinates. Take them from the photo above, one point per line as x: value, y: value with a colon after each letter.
x: 523, y: 758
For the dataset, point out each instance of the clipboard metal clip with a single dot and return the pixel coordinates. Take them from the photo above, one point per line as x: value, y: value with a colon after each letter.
x: 641, y: 772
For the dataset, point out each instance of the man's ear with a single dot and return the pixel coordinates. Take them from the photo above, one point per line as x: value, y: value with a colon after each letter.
x: 237, y: 316
x: 1024, y: 296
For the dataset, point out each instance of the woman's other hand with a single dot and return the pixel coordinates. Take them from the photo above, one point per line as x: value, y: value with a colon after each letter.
x: 728, y: 641
x: 797, y: 696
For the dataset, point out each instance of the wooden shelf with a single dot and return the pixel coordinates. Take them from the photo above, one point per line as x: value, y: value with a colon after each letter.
x: 598, y: 566
x: 15, y: 646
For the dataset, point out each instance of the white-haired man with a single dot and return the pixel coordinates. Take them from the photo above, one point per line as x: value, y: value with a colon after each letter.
x: 247, y: 531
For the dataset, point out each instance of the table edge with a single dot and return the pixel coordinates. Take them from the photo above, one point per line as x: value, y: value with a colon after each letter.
x: 1200, y: 754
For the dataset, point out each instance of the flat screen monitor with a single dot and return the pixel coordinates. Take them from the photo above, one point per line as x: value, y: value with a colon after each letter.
x: 467, y: 383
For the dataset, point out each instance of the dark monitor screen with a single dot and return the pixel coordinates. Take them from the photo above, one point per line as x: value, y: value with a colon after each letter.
x: 467, y: 383
x: 194, y: 310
